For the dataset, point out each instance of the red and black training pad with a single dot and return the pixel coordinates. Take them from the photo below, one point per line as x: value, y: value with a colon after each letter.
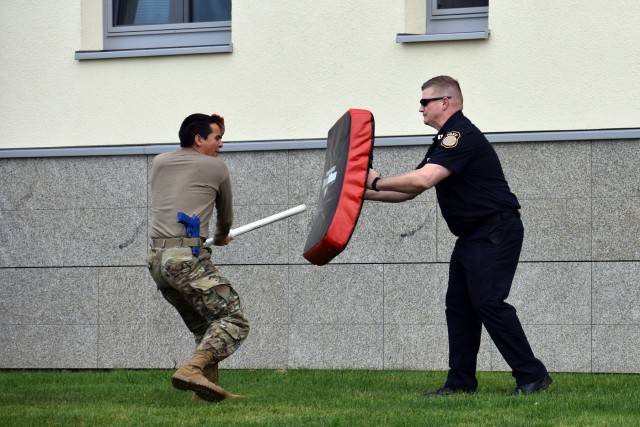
x: 347, y: 161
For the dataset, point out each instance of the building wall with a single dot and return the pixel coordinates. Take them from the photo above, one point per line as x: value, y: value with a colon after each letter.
x: 75, y: 293
x: 297, y: 66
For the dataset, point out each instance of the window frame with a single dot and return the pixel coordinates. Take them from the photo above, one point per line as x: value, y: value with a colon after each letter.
x: 113, y: 30
x: 457, y: 12
x: 159, y: 39
x: 464, y: 23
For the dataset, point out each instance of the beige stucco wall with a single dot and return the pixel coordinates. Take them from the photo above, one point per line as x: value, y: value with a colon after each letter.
x: 297, y: 66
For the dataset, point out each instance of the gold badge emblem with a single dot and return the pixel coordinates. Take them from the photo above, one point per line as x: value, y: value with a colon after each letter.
x: 451, y: 139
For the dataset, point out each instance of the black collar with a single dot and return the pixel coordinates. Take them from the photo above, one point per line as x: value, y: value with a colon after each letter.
x: 450, y: 121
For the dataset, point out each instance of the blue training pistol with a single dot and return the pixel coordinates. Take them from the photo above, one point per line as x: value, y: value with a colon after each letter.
x: 192, y: 223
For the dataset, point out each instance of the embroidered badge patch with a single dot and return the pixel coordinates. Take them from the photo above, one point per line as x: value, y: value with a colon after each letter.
x: 451, y: 139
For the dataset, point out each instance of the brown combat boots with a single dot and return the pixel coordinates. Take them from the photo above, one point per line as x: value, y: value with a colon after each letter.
x: 210, y: 372
x: 190, y: 376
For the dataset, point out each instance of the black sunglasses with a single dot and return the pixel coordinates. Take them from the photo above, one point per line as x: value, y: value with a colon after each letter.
x: 425, y: 101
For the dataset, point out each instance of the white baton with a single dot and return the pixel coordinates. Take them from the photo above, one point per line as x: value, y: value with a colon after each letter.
x: 261, y: 222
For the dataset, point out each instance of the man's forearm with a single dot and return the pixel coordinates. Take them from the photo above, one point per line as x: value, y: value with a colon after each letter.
x: 412, y: 183
x: 388, y: 196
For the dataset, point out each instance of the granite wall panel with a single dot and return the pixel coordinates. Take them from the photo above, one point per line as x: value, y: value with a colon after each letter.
x: 79, y: 296
x: 547, y: 170
x: 615, y: 348
x: 73, y: 237
x: 336, y: 294
x: 616, y: 229
x: 556, y: 230
x: 336, y: 346
x: 561, y: 347
x: 49, y: 296
x: 266, y: 245
x: 259, y: 178
x: 306, y: 170
x: 122, y: 311
x: 418, y: 347
x: 266, y: 347
x: 616, y: 293
x: 414, y: 294
x: 49, y: 346
x: 552, y: 293
x: 394, y: 233
x: 615, y: 171
x: 73, y: 183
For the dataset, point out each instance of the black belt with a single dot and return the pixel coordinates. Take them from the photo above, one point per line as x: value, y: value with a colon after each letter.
x: 497, y: 217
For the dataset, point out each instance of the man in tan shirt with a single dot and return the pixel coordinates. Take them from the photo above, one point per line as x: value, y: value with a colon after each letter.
x: 193, y: 180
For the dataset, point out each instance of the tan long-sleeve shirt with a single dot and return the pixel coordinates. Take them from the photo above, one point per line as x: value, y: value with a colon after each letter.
x: 193, y: 183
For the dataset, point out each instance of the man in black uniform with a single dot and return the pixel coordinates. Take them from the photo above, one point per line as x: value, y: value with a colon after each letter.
x: 480, y: 209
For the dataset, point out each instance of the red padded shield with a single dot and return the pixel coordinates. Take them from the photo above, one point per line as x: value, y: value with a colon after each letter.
x: 347, y: 161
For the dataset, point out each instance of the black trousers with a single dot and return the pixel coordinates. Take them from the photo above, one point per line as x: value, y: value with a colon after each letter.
x: 480, y: 275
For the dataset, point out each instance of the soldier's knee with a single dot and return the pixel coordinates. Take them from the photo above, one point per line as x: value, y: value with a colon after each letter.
x: 242, y: 326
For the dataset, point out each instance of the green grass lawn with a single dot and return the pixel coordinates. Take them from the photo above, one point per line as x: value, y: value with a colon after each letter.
x: 311, y: 397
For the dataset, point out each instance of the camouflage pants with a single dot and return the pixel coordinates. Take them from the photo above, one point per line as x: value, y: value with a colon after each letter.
x: 207, y: 303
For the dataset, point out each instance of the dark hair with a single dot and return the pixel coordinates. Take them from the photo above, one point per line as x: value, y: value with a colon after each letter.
x: 198, y: 124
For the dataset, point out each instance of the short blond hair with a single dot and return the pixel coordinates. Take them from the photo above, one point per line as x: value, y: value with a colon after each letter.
x: 444, y: 84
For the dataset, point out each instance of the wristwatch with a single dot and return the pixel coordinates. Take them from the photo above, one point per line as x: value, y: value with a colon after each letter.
x: 374, y: 184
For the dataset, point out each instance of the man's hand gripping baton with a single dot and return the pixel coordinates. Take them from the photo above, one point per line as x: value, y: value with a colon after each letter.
x: 261, y: 222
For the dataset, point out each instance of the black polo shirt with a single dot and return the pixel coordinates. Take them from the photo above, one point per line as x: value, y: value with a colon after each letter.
x: 476, y: 187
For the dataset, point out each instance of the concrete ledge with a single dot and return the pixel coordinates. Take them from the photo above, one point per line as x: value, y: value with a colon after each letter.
x: 305, y: 144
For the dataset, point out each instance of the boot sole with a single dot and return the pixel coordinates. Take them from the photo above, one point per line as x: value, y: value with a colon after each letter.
x: 230, y: 396
x: 207, y: 391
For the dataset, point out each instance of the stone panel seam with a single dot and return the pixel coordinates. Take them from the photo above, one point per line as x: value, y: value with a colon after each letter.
x: 384, y: 341
x: 98, y: 300
x: 147, y: 335
x: 592, y: 260
x: 289, y: 363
